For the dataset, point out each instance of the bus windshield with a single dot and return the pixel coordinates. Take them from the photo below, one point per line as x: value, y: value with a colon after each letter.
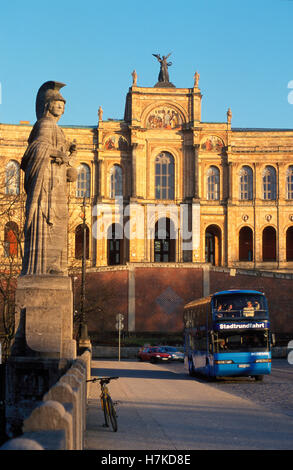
x: 233, y: 305
x: 241, y: 341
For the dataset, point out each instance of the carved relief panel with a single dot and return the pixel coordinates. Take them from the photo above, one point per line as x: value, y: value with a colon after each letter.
x: 116, y: 142
x: 164, y: 117
x: 212, y: 143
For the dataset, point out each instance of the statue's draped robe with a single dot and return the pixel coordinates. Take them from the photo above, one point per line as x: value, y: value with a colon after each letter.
x: 45, y: 249
x: 164, y: 73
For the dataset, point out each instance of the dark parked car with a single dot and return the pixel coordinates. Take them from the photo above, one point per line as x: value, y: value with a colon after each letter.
x: 175, y: 353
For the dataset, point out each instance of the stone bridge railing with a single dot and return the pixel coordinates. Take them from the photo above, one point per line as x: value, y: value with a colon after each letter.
x: 59, y: 422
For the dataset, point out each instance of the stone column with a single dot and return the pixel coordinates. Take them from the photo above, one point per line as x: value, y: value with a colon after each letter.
x: 131, y: 298
x: 101, y: 173
x: 196, y: 230
x: 257, y: 211
x: 135, y: 231
x: 196, y: 172
x: 138, y: 171
x: 133, y: 178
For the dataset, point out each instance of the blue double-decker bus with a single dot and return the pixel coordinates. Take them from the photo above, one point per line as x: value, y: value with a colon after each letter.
x: 228, y: 334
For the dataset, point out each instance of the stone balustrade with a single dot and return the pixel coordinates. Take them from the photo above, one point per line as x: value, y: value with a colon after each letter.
x: 59, y: 422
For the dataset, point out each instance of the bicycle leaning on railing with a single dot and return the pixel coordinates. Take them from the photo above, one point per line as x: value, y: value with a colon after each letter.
x: 106, y: 401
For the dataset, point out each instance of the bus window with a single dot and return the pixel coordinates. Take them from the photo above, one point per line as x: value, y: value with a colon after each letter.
x: 239, y: 305
x: 246, y: 341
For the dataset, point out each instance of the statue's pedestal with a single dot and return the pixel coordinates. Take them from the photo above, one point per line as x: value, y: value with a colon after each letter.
x: 164, y: 85
x: 44, y: 317
x: 43, y: 347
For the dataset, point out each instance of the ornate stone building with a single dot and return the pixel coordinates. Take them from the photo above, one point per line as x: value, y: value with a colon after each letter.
x: 161, y: 186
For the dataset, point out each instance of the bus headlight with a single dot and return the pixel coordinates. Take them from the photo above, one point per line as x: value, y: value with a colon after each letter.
x: 224, y: 362
x: 263, y: 360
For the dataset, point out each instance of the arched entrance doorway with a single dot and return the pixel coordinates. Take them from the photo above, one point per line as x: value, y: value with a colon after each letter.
x: 269, y: 252
x: 165, y: 241
x: 289, y: 244
x: 115, y: 244
x: 79, y: 241
x: 213, y: 241
x: 246, y: 244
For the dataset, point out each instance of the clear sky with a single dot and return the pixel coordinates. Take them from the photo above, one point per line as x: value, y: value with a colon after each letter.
x: 242, y: 50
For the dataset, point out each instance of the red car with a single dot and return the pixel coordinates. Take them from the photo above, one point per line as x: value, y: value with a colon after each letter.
x: 144, y: 354
x: 153, y: 354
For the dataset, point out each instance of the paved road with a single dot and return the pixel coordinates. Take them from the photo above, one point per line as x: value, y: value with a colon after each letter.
x: 161, y: 407
x: 274, y: 393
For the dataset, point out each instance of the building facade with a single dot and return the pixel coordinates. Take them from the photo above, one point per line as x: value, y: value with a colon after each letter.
x: 161, y: 186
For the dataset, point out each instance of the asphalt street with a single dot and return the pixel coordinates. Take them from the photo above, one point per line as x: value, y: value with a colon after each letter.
x: 161, y: 408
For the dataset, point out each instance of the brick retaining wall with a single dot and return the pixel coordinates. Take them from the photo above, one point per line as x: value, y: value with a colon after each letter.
x: 151, y: 295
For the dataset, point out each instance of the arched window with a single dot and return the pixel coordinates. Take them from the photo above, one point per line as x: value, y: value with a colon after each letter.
x: 269, y: 244
x: 116, y: 181
x: 289, y: 244
x: 245, y: 244
x: 115, y: 244
x: 164, y: 176
x: 164, y: 243
x: 83, y: 184
x: 246, y: 183
x: 11, y: 239
x: 213, y: 183
x: 80, y: 238
x: 269, y: 183
x: 289, y: 182
x: 12, y: 177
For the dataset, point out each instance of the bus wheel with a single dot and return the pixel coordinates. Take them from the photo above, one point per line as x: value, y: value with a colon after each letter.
x: 258, y: 378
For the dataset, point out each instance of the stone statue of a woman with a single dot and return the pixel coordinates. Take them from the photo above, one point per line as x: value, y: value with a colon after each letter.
x: 46, y: 163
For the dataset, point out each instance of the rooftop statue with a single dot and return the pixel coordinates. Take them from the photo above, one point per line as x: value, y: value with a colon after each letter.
x: 163, y: 79
x: 46, y: 163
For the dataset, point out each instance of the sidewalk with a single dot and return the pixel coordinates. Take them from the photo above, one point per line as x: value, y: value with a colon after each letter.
x: 161, y: 408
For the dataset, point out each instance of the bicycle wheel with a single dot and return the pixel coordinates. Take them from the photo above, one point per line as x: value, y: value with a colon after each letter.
x: 112, y: 414
x: 106, y: 412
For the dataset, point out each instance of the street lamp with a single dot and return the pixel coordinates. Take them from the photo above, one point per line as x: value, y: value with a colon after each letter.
x: 83, y: 331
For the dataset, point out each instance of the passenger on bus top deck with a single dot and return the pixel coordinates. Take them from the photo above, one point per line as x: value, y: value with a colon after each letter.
x: 231, y: 311
x: 219, y: 311
x: 248, y: 311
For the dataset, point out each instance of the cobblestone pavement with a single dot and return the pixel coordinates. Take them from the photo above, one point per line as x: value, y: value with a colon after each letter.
x: 275, y: 392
